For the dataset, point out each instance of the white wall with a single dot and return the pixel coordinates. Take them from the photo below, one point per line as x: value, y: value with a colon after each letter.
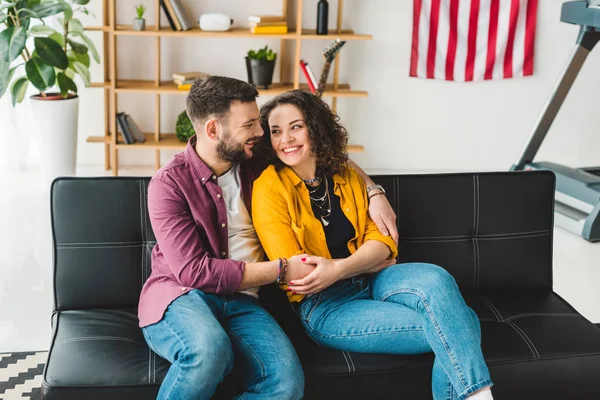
x: 405, y: 123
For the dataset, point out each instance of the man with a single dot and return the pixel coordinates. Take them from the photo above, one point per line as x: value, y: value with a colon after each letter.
x: 199, y: 307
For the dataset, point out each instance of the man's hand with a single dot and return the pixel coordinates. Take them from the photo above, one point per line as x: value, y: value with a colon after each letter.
x: 324, y: 275
x: 383, y: 215
x: 297, y: 269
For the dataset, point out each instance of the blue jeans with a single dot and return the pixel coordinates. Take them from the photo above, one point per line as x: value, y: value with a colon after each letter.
x: 409, y: 308
x: 202, y: 334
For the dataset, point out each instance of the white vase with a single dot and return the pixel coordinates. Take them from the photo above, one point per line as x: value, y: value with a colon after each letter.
x: 55, y: 124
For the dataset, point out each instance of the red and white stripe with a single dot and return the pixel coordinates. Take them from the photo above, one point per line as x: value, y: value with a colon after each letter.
x: 467, y: 40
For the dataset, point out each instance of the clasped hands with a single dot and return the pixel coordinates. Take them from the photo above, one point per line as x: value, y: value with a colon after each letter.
x: 310, y: 274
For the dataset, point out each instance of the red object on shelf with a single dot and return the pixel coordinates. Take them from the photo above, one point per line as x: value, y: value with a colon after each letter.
x: 307, y: 76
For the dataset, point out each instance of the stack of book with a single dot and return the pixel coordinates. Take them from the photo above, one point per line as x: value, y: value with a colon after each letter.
x: 265, y: 24
x: 179, y: 18
x: 184, y: 80
x: 129, y: 129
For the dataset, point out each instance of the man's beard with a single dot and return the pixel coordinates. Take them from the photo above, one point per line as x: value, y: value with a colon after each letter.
x: 230, y: 151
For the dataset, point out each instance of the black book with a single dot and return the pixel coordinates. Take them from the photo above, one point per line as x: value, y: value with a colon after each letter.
x: 125, y: 128
x: 135, y: 130
x: 164, y: 7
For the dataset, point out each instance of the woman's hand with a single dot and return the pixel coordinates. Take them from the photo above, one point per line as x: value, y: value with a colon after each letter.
x: 297, y: 269
x: 383, y: 215
x: 326, y: 273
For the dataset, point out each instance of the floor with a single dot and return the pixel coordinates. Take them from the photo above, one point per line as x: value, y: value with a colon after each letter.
x: 26, y: 277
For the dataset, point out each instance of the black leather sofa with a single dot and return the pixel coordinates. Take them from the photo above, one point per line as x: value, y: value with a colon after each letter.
x: 492, y: 231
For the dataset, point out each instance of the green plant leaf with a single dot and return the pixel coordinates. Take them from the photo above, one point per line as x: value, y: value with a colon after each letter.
x: 58, y: 38
x: 83, y: 58
x: 12, y: 43
x: 68, y: 12
x: 75, y: 26
x: 40, y: 74
x: 77, y: 47
x: 5, y: 75
x: 89, y: 44
x: 32, y: 3
x: 81, y: 2
x: 51, y: 52
x: 42, y: 30
x: 83, y: 72
x: 18, y: 90
x: 47, y: 9
x: 3, y: 18
x: 65, y: 84
x: 6, y: 5
x: 70, y: 73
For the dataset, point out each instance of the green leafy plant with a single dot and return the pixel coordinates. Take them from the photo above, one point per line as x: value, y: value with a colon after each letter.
x: 140, y: 10
x: 262, y: 54
x: 184, y: 128
x: 47, y: 57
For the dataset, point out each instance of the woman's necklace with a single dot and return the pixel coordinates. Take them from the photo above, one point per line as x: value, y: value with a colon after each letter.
x: 319, y: 202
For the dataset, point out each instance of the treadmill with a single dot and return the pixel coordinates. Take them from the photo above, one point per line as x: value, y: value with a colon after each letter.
x: 577, y: 196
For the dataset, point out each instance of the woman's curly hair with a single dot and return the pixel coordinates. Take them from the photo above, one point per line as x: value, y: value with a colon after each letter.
x: 329, y: 139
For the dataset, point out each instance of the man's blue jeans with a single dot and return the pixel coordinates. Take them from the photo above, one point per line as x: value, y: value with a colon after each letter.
x: 202, y: 334
x: 409, y: 308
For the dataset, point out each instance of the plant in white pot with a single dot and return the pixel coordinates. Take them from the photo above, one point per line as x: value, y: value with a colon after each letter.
x: 31, y: 52
x: 139, y: 23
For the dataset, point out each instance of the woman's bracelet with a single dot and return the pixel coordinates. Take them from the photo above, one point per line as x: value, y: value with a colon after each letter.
x: 282, y: 277
x: 375, y: 194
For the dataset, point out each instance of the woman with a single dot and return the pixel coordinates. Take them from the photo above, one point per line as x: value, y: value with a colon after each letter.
x: 310, y: 202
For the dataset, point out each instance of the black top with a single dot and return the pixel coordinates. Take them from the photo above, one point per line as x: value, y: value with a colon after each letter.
x: 339, y: 231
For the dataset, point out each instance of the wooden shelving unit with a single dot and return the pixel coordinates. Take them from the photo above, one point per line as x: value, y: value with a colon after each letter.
x: 158, y: 140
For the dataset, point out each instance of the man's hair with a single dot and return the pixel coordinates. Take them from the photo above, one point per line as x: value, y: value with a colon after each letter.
x: 213, y: 96
x: 329, y: 139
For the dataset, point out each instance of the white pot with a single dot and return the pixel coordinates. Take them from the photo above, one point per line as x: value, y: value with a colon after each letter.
x: 55, y: 124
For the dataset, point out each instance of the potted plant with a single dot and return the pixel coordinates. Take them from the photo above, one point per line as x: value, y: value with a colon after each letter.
x: 139, y: 23
x: 184, y: 129
x: 31, y: 52
x: 260, y: 65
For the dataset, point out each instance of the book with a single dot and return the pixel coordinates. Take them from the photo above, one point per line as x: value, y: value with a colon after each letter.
x: 176, y: 20
x: 184, y: 76
x: 312, y: 76
x: 269, y: 29
x: 184, y: 17
x: 311, y: 86
x: 135, y: 130
x: 169, y: 18
x: 265, y: 18
x: 185, y: 82
x: 274, y: 23
x: 186, y: 86
x: 127, y: 135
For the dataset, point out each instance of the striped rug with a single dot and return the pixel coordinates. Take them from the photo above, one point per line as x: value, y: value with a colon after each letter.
x: 21, y: 375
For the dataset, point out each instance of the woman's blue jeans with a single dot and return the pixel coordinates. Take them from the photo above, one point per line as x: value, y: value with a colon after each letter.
x: 411, y: 308
x: 201, y: 335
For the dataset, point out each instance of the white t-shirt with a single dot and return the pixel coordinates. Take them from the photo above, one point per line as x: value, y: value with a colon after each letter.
x: 244, y: 244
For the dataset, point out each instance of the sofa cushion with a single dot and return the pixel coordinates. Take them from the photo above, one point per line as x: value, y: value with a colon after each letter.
x: 530, y: 340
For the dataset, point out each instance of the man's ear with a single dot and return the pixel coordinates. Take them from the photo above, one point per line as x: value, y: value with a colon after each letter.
x: 211, y: 127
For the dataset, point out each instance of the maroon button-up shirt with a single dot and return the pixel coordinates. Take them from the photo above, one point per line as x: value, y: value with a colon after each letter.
x: 189, y: 220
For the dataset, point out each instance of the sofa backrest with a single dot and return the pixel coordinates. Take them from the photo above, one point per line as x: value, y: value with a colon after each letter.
x: 490, y: 230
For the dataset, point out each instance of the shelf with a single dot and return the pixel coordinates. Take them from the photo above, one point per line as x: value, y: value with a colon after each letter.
x: 308, y: 34
x: 105, y: 85
x: 168, y: 87
x: 170, y: 141
x: 105, y: 28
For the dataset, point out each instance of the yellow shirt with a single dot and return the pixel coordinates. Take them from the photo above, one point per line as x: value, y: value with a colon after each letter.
x: 285, y: 223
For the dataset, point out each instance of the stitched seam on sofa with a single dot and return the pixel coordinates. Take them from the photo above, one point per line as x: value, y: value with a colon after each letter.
x: 99, y: 247
x: 525, y: 338
x: 571, y: 315
x: 466, y: 239
x: 107, y: 338
x: 449, y: 352
x: 347, y: 363
x: 149, y: 364
x: 474, y: 264
x: 543, y: 359
x: 491, y: 307
x: 263, y: 374
x: 488, y: 235
x: 99, y: 243
x: 153, y: 367
x: 351, y: 362
x: 476, y: 228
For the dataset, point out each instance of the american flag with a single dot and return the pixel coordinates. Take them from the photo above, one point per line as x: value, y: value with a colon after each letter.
x: 468, y: 40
